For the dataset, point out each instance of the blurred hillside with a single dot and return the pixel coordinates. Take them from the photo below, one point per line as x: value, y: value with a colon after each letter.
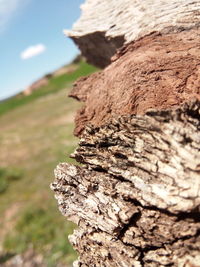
x: 36, y: 134
x: 45, y: 80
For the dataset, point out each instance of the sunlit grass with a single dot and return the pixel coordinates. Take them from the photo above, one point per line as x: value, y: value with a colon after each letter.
x: 55, y: 84
x: 45, y: 230
x: 7, y: 176
x: 36, y: 134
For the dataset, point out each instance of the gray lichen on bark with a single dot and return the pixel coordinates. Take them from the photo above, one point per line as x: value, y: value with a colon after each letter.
x: 136, y: 196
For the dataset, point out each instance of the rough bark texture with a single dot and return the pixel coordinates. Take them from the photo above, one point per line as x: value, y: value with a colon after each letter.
x: 136, y: 198
x: 157, y: 71
x: 105, y: 25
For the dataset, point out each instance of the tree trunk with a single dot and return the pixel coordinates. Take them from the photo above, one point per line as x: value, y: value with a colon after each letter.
x: 106, y: 25
x: 136, y: 194
x: 136, y: 198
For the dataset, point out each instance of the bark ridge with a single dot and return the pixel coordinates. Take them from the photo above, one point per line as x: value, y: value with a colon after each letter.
x: 136, y: 197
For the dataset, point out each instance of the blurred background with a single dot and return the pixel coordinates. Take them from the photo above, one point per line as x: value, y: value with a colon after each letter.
x: 38, y: 67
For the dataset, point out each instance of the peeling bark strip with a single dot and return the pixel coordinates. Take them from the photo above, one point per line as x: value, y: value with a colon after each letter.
x: 158, y: 71
x: 106, y: 25
x: 136, y: 198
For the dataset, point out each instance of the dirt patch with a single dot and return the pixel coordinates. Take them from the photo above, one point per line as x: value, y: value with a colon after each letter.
x: 157, y: 71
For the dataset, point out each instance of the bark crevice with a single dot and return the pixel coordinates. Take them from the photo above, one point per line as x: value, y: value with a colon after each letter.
x: 141, y: 214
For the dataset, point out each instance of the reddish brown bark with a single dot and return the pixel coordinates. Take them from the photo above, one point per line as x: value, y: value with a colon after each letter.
x: 157, y: 71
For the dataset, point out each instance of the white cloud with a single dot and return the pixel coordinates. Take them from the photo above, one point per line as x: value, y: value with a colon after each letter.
x: 8, y: 9
x: 33, y: 51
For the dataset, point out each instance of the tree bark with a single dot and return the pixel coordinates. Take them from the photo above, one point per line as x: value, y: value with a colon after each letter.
x: 136, y: 194
x: 157, y: 71
x: 105, y: 26
x: 136, y: 198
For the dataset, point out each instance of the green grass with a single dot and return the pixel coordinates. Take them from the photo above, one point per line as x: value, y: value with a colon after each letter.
x: 36, y: 134
x: 7, y: 176
x: 40, y: 227
x: 55, y: 84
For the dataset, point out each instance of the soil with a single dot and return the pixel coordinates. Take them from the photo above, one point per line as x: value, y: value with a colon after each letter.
x: 157, y: 71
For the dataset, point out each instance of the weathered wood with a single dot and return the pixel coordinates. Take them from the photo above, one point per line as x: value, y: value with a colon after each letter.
x: 158, y: 71
x: 106, y: 25
x: 136, y: 198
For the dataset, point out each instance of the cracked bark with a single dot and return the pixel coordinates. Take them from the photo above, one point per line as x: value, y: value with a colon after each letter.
x: 136, y: 196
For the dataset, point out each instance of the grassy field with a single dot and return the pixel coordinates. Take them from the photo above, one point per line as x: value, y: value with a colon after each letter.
x: 36, y: 134
x: 55, y: 84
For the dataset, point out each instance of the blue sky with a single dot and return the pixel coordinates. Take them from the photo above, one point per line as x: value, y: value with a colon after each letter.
x: 32, y: 42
